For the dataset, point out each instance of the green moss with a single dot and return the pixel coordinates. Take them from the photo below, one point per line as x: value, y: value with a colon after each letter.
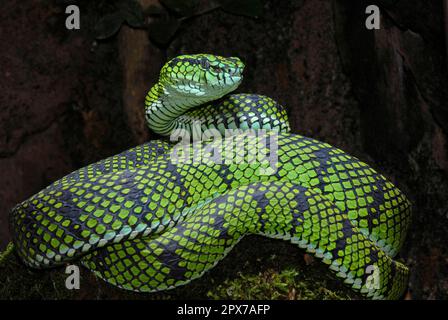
x: 272, y: 269
x: 5, y: 254
x: 273, y: 285
x: 20, y: 282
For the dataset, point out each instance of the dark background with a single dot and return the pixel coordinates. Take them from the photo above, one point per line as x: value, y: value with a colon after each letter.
x: 68, y: 100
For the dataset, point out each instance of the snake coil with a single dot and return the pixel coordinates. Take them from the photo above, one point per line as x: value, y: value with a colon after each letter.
x: 144, y: 222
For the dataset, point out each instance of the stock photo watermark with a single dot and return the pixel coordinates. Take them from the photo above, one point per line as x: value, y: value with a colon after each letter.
x: 234, y: 147
x: 73, y: 21
x: 373, y: 278
x: 373, y: 21
x: 72, y: 282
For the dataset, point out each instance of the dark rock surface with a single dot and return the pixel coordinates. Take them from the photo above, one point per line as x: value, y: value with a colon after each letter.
x: 60, y: 101
x: 399, y: 76
x: 380, y: 95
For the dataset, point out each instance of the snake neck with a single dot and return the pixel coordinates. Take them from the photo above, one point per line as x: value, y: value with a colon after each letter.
x: 164, y: 109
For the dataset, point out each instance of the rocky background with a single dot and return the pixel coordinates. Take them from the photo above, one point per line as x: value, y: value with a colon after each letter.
x: 69, y: 99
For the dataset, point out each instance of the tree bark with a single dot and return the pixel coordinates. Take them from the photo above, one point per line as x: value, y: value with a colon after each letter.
x: 141, y: 62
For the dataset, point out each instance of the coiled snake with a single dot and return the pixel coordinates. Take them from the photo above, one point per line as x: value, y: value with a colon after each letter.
x: 151, y: 219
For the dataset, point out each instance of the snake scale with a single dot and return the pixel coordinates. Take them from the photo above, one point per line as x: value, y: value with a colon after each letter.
x: 146, y: 221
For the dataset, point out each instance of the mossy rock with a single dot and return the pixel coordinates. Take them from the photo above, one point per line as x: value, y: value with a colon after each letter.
x: 270, y: 269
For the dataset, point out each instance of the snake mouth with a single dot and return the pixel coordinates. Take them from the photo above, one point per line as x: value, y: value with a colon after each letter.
x: 230, y: 71
x: 237, y: 73
x: 238, y: 67
x: 236, y: 77
x: 233, y: 73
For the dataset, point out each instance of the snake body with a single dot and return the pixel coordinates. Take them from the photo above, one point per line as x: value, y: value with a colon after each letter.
x: 145, y: 221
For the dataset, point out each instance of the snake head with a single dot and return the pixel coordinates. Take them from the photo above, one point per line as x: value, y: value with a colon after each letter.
x: 201, y: 75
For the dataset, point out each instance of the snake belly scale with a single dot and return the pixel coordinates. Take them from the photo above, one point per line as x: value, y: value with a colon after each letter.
x: 144, y: 222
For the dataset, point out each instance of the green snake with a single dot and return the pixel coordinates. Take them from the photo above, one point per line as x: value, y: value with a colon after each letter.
x: 159, y: 215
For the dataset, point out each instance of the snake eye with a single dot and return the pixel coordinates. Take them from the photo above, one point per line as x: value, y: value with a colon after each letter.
x: 205, y: 63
